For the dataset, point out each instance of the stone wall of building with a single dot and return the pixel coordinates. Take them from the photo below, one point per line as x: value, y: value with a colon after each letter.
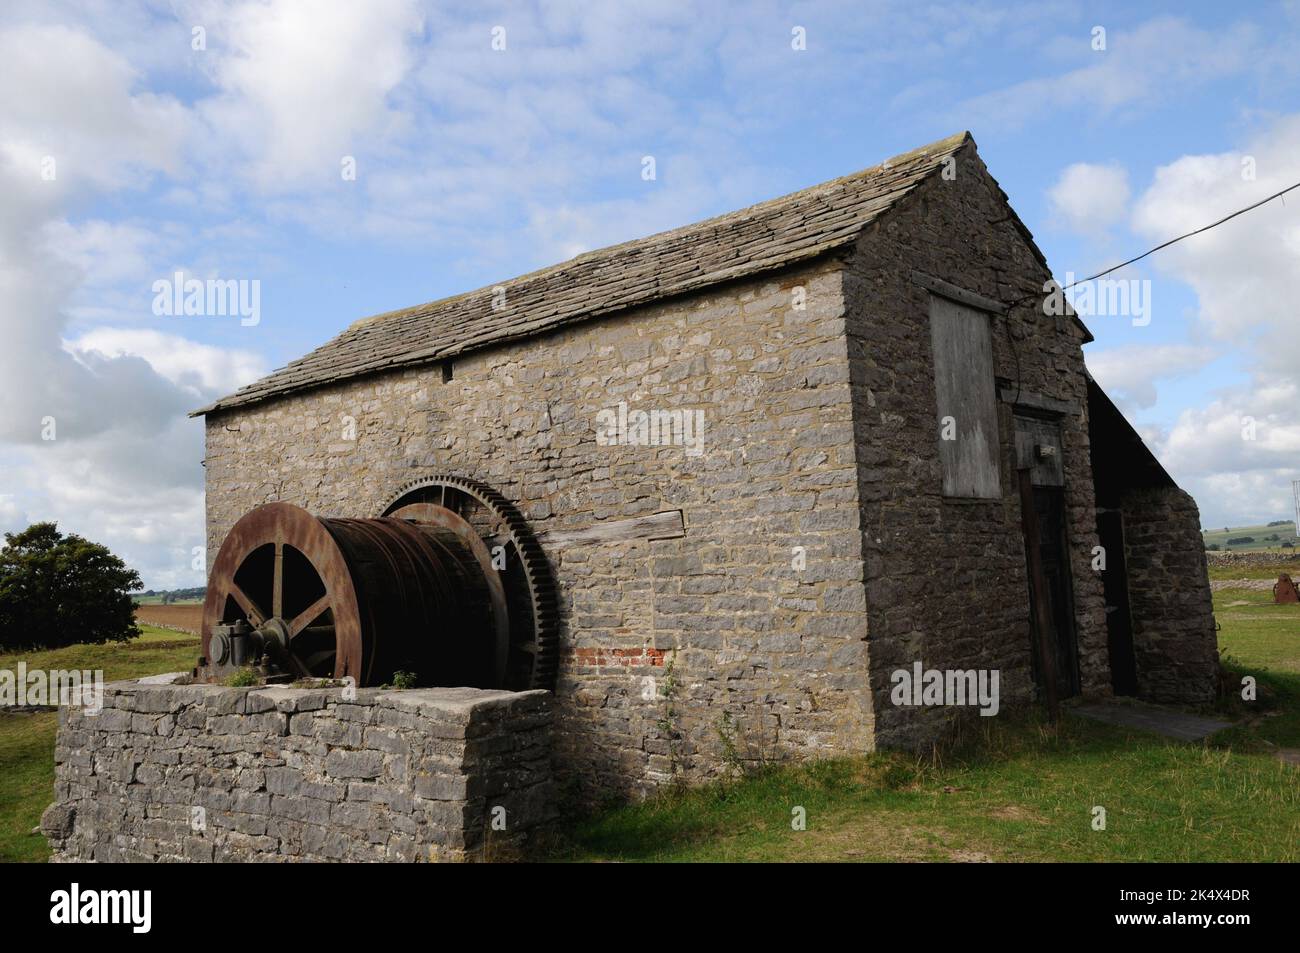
x: 210, y: 773
x: 1174, y: 641
x: 946, y: 578
x: 741, y: 641
x: 819, y: 555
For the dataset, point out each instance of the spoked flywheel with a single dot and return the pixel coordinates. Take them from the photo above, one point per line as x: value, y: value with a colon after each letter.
x: 303, y: 596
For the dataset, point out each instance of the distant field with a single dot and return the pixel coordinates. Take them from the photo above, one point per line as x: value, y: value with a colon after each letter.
x: 187, y: 616
x: 1285, y: 532
x: 158, y: 600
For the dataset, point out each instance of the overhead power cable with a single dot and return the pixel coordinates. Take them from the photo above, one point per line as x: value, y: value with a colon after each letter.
x: 1174, y: 241
x: 1162, y: 245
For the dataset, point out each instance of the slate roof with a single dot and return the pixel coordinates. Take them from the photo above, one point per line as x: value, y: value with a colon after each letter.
x: 763, y: 237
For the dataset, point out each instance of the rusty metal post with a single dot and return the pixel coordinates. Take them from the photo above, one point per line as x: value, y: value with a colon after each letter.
x: 1284, y: 590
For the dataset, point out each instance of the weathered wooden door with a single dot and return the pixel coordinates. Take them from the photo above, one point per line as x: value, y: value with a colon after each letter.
x: 1049, y: 506
x: 1047, y: 556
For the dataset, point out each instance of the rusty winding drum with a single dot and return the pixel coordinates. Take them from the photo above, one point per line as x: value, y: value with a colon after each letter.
x: 449, y: 585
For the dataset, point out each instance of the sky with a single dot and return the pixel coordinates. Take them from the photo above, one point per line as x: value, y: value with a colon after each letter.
x: 346, y: 159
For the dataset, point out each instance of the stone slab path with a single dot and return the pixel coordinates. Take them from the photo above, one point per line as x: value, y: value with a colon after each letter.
x: 1163, y: 721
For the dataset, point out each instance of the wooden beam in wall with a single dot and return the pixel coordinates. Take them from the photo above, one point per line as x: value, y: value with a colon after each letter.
x: 665, y: 525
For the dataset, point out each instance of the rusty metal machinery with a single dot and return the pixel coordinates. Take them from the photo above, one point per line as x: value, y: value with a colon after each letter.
x: 449, y: 584
x: 1285, y: 591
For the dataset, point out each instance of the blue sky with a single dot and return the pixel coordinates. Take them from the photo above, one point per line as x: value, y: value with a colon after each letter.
x: 475, y: 164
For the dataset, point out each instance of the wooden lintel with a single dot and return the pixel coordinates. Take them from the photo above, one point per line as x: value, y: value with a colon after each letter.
x: 946, y: 289
x: 665, y: 525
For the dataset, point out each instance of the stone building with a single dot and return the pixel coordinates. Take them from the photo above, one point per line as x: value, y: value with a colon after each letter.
x: 772, y: 458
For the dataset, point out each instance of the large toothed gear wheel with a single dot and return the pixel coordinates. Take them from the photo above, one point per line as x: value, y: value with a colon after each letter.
x: 503, y: 542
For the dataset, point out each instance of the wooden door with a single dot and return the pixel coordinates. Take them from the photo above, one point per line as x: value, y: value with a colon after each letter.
x: 1041, y: 471
x: 1054, y: 557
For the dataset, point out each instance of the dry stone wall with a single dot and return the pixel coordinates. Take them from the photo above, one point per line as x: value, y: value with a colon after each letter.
x: 1261, y: 560
x: 210, y: 773
x: 741, y: 641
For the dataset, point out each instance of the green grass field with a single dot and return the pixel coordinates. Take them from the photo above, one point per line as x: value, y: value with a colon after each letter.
x: 27, y: 741
x: 1285, y: 532
x: 1020, y: 791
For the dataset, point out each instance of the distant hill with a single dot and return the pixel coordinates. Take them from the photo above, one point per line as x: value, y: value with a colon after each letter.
x: 1264, y: 537
x: 151, y: 597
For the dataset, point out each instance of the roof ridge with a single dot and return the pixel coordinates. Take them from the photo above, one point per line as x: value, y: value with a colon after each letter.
x: 774, y: 233
x: 948, y: 144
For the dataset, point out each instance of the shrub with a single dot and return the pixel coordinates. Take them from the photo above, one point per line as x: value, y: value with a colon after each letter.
x: 243, y: 678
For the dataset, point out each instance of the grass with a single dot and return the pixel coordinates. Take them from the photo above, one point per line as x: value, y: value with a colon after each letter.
x: 1267, y: 571
x: 1255, y: 629
x: 1019, y: 790
x: 1262, y: 639
x: 27, y: 741
x: 1024, y: 791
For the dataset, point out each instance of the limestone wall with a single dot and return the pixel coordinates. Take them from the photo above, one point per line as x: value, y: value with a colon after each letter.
x: 818, y: 542
x: 204, y: 773
x: 1174, y: 642
x: 668, y: 647
x: 946, y: 578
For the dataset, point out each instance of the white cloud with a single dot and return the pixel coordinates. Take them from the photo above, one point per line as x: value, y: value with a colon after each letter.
x: 1244, y: 274
x: 12, y: 516
x: 124, y: 465
x: 1140, y: 69
x: 1129, y: 374
x: 76, y: 103
x: 304, y: 84
x: 1238, y: 455
x: 1090, y: 199
x: 201, y: 370
x: 105, y: 253
x: 1245, y: 271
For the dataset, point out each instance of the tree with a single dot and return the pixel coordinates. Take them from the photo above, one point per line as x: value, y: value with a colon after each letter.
x: 63, y: 590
